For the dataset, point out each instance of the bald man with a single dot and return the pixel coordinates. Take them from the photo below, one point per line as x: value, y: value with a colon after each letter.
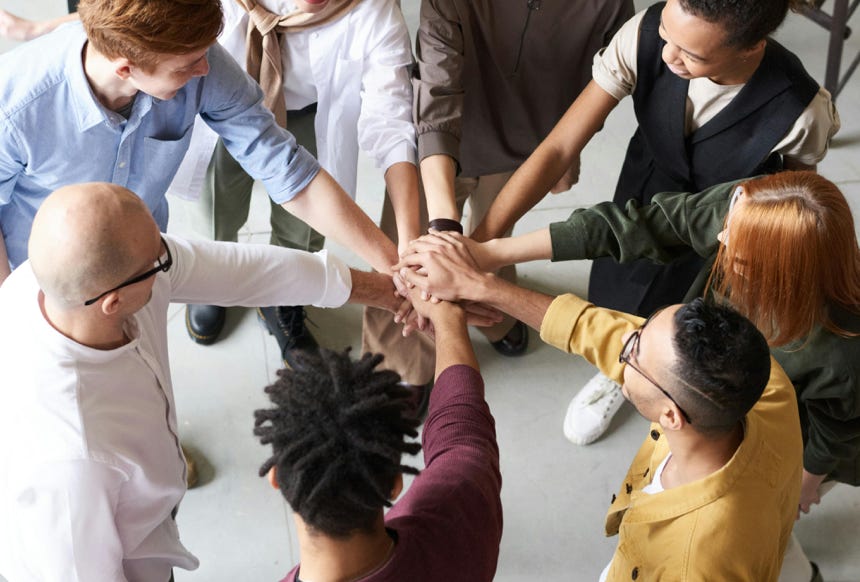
x: 91, y: 471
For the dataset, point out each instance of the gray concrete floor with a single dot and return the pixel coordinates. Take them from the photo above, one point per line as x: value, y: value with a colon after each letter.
x: 555, y: 494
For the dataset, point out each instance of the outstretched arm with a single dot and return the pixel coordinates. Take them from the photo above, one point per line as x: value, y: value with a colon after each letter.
x: 17, y: 28
x: 325, y: 206
x: 546, y: 166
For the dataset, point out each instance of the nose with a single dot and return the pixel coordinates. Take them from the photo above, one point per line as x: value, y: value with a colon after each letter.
x: 202, y: 68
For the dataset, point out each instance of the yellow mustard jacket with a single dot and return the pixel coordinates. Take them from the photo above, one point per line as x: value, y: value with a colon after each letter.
x: 734, y: 524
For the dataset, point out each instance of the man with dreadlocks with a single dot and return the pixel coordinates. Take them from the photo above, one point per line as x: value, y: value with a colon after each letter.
x: 85, y: 385
x: 338, y: 429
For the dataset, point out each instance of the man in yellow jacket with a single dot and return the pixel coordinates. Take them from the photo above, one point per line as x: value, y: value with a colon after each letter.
x: 712, y: 493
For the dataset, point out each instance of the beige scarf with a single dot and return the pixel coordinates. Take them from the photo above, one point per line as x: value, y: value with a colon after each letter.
x: 263, y: 45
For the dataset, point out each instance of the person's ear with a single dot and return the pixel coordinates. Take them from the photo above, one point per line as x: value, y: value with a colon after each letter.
x: 754, y: 49
x: 397, y: 488
x: 123, y: 68
x: 671, y: 417
x: 272, y: 475
x: 110, y: 303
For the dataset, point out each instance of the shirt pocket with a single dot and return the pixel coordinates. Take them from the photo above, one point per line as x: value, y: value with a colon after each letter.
x: 161, y: 158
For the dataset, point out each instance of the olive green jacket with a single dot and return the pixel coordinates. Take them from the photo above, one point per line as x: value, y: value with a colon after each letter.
x: 824, y: 368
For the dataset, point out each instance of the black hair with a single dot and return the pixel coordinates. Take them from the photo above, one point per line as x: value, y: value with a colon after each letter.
x: 337, y: 432
x: 746, y: 21
x: 723, y: 362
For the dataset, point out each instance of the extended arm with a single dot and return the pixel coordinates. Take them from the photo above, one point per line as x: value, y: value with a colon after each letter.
x: 553, y: 157
x: 438, y: 107
x: 17, y: 28
x: 325, y: 206
x: 401, y: 182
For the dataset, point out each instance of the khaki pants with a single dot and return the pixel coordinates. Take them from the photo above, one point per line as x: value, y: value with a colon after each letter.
x: 414, y: 357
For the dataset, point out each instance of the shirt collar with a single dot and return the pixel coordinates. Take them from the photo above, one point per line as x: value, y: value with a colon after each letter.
x: 86, y: 109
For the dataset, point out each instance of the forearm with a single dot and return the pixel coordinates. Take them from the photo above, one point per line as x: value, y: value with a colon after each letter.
x: 553, y: 157
x: 373, y: 289
x: 437, y: 174
x: 401, y: 182
x: 501, y: 252
x: 325, y: 206
x: 453, y: 346
x: 526, y: 305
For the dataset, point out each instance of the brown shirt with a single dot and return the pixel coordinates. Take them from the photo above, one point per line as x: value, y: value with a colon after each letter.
x: 493, y: 78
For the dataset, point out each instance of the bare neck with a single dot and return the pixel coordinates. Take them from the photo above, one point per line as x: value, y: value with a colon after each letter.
x: 89, y: 329
x: 111, y: 91
x: 695, y: 456
x: 327, y: 559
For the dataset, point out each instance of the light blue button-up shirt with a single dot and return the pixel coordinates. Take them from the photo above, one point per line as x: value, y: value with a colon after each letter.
x: 54, y: 132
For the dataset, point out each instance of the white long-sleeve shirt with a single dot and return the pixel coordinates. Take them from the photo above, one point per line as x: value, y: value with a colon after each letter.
x: 90, y: 463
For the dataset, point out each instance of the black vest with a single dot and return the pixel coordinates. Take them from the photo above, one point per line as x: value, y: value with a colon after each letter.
x: 734, y: 144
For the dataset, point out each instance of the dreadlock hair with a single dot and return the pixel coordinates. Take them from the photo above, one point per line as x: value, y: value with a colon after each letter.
x: 337, y: 432
x: 722, y: 367
x: 746, y: 22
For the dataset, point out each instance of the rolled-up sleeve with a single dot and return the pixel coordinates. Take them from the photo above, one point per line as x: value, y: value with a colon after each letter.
x: 232, y: 105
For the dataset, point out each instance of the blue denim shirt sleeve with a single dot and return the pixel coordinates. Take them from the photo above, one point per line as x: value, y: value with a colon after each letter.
x: 232, y: 105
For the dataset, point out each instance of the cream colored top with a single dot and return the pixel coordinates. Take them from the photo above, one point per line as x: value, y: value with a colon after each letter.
x: 807, y: 141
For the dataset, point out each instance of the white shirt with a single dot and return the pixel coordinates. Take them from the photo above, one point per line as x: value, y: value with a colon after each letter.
x: 90, y: 463
x: 807, y: 141
x: 357, y: 70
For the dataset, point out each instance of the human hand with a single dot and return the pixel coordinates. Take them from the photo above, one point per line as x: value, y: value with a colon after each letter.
x: 482, y: 253
x: 568, y: 179
x: 442, y: 267
x: 809, y: 491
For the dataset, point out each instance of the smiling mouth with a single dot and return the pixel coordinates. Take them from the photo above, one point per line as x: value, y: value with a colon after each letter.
x: 679, y: 72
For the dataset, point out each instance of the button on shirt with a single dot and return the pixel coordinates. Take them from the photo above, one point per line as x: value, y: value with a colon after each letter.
x: 54, y: 132
x: 90, y: 463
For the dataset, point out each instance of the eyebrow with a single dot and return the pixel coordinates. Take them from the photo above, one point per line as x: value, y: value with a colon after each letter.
x: 682, y: 49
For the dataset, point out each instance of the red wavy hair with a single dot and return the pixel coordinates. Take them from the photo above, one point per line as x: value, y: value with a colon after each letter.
x: 791, y: 254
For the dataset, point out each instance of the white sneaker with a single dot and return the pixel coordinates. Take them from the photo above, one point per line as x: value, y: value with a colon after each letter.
x: 591, y: 410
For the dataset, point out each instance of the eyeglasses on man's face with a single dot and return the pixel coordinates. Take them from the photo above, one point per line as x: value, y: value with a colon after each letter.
x: 162, y: 265
x: 631, y: 346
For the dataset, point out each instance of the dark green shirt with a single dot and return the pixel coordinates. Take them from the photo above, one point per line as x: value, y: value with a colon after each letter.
x: 824, y: 368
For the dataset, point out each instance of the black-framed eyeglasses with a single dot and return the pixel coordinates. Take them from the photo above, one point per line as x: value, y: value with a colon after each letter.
x: 160, y: 267
x: 631, y: 346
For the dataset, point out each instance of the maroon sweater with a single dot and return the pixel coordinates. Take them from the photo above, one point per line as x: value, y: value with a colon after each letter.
x: 449, y: 523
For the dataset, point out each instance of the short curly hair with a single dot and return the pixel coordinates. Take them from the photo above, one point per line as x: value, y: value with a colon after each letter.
x: 746, y: 22
x: 337, y: 432
x: 722, y: 367
x: 142, y: 30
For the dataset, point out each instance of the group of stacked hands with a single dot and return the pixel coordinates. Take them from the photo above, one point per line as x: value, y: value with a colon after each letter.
x: 752, y: 390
